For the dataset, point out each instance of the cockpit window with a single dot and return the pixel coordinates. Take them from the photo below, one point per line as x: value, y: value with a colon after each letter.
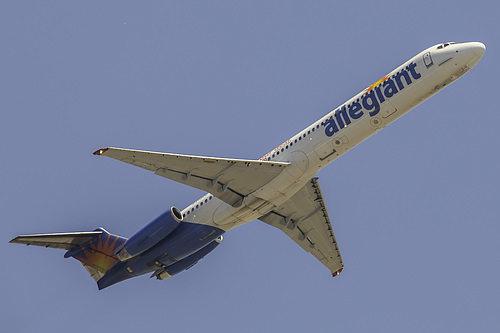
x: 442, y: 46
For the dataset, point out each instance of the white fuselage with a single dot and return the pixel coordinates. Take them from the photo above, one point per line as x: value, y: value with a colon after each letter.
x: 342, y: 129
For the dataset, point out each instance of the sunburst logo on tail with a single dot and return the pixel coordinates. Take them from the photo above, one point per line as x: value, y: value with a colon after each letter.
x: 98, y: 253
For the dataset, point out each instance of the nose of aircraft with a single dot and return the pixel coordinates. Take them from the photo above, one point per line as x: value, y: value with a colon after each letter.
x: 471, y: 53
x: 477, y: 49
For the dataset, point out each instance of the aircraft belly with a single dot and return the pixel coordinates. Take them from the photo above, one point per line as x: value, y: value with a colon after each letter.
x: 324, y: 150
x: 299, y: 164
x: 224, y: 216
x: 409, y: 98
x: 388, y: 109
x: 255, y: 205
x: 331, y: 148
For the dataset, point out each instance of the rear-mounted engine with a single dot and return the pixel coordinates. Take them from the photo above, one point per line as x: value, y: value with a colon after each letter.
x: 150, y: 235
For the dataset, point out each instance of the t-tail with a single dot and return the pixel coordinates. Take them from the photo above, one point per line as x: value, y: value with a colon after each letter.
x: 97, y: 255
x: 94, y: 249
x: 164, y: 247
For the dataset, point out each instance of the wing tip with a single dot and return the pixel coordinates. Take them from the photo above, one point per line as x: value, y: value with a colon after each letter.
x: 334, y: 274
x: 17, y: 240
x: 100, y: 151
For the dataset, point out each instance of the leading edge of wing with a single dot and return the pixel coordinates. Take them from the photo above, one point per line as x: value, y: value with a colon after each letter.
x: 113, y: 151
x: 227, y: 179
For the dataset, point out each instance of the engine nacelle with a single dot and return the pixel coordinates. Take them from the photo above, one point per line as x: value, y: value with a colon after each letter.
x: 151, y: 234
x: 187, y: 262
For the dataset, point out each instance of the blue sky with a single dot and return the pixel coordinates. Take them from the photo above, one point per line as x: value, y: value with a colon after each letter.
x: 414, y: 208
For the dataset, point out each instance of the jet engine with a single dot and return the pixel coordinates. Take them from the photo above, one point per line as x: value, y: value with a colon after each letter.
x: 187, y: 262
x: 150, y: 235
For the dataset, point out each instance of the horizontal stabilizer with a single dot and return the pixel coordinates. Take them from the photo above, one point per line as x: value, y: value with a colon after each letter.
x: 227, y: 179
x: 64, y: 241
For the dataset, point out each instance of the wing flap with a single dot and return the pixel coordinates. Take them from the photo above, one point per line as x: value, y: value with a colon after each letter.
x: 227, y: 179
x: 305, y: 220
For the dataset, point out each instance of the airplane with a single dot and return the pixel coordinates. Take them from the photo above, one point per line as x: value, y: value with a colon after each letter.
x: 279, y: 189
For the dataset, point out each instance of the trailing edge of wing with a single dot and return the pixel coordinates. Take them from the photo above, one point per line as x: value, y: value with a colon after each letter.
x: 305, y: 220
x: 64, y: 241
x: 227, y: 179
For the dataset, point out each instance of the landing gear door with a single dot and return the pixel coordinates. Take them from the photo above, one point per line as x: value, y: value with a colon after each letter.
x: 428, y: 60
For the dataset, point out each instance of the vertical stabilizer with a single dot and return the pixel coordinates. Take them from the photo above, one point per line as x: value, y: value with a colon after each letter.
x: 96, y: 255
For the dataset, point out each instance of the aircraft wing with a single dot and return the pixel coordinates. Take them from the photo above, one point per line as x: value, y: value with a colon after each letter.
x: 227, y: 179
x: 64, y: 241
x: 305, y: 220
